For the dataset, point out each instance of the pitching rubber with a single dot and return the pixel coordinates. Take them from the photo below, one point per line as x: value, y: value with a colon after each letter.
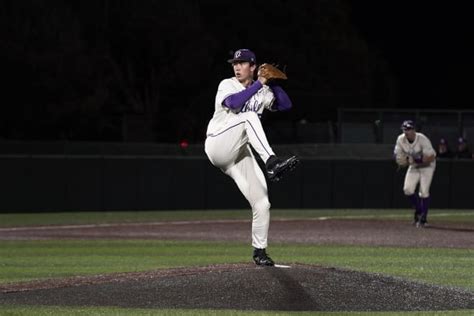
x: 281, y: 266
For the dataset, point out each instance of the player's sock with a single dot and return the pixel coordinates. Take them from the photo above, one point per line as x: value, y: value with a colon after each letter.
x: 415, y: 203
x: 424, y: 204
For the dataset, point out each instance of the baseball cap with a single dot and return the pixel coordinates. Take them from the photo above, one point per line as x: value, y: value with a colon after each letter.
x: 461, y: 140
x: 443, y: 141
x: 243, y: 55
x: 408, y: 124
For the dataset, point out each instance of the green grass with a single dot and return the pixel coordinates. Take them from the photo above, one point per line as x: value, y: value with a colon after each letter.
x: 28, y: 260
x: 76, y: 218
x: 40, y: 259
x: 77, y: 311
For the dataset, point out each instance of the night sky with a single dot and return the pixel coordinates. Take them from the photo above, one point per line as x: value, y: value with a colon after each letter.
x: 429, y: 46
x: 148, y: 70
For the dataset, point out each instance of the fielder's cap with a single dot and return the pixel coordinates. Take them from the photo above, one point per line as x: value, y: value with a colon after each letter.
x: 408, y: 124
x: 243, y: 55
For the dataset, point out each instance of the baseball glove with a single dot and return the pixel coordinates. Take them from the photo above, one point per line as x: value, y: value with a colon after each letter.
x: 402, y: 160
x: 270, y: 72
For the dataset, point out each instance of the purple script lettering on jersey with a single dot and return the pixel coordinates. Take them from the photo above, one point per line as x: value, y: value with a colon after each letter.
x: 251, y: 106
x: 237, y: 100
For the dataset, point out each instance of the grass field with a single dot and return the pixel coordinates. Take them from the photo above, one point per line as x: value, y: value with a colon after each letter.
x: 47, y: 311
x: 39, y: 259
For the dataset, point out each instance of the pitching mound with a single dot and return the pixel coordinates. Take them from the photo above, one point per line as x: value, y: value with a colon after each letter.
x: 243, y: 287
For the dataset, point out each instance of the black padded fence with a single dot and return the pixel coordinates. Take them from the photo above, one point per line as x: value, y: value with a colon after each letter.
x: 102, y: 183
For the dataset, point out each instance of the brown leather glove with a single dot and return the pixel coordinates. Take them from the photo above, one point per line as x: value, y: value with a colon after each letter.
x: 270, y: 72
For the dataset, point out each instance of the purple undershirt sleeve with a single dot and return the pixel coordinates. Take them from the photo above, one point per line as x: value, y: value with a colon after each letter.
x: 282, y: 100
x: 237, y: 100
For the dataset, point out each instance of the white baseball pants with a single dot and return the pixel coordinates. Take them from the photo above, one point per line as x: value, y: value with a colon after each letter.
x: 418, y: 175
x: 230, y: 151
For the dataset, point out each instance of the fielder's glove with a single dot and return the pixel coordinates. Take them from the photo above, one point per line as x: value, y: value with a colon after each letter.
x: 402, y: 160
x: 270, y: 72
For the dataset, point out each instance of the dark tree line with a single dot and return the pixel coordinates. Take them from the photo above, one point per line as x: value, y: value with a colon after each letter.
x: 147, y: 70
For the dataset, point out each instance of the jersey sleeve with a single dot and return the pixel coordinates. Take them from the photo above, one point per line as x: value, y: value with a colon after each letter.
x: 224, y: 90
x: 427, y: 148
x: 282, y: 101
x: 237, y: 100
x: 398, y: 147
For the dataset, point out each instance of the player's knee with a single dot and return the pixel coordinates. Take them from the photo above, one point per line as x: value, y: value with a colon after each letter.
x: 262, y: 205
x: 219, y: 159
x: 408, y: 191
x: 261, y: 214
x: 424, y: 195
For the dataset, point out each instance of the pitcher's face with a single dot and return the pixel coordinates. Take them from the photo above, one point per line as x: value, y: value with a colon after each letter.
x: 243, y: 71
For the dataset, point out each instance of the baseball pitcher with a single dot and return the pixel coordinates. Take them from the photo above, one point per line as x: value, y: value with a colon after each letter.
x: 235, y: 126
x: 414, y: 150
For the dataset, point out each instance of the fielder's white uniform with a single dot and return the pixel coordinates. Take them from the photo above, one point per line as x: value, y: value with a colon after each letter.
x: 423, y: 174
x: 228, y: 141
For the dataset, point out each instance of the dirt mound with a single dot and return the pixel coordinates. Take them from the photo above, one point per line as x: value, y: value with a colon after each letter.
x: 243, y: 287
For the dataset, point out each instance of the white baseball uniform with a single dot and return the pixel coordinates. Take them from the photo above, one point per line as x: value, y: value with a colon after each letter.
x: 423, y: 174
x: 229, y: 137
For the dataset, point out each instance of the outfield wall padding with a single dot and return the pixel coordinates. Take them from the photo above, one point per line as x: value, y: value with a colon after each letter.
x: 107, y: 183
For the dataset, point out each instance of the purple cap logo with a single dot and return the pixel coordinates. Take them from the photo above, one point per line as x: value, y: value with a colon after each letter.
x: 243, y: 55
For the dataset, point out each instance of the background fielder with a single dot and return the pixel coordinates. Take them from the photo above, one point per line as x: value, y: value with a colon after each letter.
x: 234, y: 127
x: 415, y: 150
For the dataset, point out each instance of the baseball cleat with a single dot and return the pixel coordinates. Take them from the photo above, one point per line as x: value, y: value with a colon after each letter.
x: 276, y: 167
x: 261, y: 258
x: 421, y: 224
